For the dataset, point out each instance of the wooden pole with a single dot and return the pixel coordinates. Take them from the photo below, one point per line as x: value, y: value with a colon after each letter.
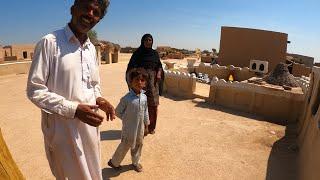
x: 8, y: 168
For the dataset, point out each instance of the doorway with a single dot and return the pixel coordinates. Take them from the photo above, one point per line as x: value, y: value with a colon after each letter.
x: 25, y: 54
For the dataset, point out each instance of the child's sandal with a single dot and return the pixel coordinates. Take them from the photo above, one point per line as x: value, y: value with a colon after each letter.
x: 113, y: 166
x: 137, y: 167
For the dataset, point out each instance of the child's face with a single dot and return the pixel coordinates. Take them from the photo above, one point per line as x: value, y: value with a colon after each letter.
x: 138, y: 83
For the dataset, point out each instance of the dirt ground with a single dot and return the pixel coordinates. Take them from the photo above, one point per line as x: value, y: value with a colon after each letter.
x: 193, y: 139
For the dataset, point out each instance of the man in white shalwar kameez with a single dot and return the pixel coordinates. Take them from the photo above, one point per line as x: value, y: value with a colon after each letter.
x: 64, y: 82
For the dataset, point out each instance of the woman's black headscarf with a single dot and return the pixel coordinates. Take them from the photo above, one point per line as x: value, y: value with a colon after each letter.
x: 146, y: 58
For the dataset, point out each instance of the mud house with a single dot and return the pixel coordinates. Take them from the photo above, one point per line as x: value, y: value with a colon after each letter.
x: 317, y: 64
x: 240, y: 45
x: 1, y: 54
x: 301, y: 59
x: 98, y: 52
x: 163, y: 50
x: 300, y: 69
x: 18, y: 52
x: 127, y: 49
x: 241, y: 94
x: 300, y: 65
x: 109, y: 52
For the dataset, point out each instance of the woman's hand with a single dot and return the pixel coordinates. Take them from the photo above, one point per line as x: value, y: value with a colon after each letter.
x: 159, y: 74
x: 158, y: 77
x: 105, y: 106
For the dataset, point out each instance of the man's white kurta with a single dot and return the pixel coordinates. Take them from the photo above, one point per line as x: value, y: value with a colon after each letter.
x: 62, y: 75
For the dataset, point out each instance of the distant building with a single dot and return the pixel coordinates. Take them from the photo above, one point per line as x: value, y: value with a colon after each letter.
x: 163, y: 48
x: 1, y: 54
x: 301, y: 59
x: 18, y: 52
x: 163, y: 51
x: 317, y: 64
x: 187, y: 52
x: 128, y: 50
x: 167, y: 52
x: 174, y: 55
x: 109, y: 52
x: 299, y: 70
x: 240, y: 45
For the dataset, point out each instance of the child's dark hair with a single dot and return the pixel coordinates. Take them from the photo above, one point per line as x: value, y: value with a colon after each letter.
x: 137, y: 72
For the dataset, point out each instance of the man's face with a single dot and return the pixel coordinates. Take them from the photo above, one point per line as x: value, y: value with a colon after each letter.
x: 85, y: 15
x: 147, y: 42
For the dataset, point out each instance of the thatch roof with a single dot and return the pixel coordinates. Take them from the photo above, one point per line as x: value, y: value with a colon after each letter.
x: 281, y: 76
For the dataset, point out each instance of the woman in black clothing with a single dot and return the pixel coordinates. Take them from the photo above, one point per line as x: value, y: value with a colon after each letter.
x: 147, y: 58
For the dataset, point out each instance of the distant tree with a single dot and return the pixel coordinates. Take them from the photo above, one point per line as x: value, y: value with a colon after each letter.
x: 93, y: 36
x: 206, y: 52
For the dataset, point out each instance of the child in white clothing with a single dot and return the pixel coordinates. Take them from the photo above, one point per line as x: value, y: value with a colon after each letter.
x: 133, y: 111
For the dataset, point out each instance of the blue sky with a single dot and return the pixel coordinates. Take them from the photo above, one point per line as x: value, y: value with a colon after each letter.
x: 178, y: 23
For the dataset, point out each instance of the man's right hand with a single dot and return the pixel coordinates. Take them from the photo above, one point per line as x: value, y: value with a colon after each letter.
x: 86, y: 114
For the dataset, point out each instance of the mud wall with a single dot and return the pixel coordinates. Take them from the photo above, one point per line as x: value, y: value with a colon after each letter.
x: 223, y: 72
x: 15, y: 68
x: 309, y: 132
x: 280, y: 105
x: 179, y: 84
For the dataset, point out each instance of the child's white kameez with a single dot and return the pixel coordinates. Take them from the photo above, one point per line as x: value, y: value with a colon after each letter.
x: 133, y: 111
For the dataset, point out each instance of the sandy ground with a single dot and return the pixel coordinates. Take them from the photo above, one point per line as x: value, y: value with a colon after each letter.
x: 193, y: 139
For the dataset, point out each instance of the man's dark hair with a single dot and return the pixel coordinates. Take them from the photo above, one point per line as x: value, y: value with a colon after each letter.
x: 137, y: 72
x: 103, y: 4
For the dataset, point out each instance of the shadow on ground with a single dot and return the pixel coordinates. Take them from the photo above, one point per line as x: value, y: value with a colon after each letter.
x: 110, y: 135
x: 176, y: 98
x: 282, y: 162
x: 108, y: 173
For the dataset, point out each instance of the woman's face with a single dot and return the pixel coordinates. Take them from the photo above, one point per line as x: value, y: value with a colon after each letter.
x: 147, y: 42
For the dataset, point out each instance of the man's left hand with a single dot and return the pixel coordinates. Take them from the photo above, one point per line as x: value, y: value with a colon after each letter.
x: 105, y: 106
